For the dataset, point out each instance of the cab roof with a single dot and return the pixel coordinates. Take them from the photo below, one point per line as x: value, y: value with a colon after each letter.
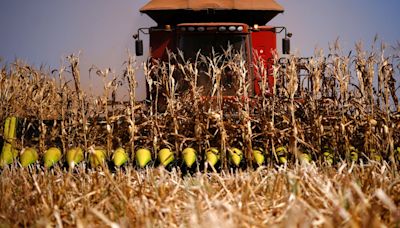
x: 191, y: 11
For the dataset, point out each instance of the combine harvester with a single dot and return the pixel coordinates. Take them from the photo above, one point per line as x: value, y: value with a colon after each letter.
x: 189, y: 28
x: 193, y: 26
x: 206, y: 26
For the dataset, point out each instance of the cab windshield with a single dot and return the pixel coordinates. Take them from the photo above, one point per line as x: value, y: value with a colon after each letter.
x: 190, y: 44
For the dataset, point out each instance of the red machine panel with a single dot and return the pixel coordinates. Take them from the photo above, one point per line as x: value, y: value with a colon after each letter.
x: 264, y: 45
x: 160, y: 42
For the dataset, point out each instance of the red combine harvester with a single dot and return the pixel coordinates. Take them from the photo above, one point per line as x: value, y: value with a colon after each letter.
x: 205, y: 25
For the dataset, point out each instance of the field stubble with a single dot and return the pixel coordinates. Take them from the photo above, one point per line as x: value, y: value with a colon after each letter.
x: 301, y: 195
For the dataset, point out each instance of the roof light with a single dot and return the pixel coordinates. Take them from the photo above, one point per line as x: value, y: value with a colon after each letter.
x: 240, y: 28
x: 191, y: 29
x: 201, y: 29
x: 255, y: 27
x: 232, y: 28
x: 222, y: 29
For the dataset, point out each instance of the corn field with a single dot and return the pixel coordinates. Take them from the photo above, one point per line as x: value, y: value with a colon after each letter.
x: 320, y: 148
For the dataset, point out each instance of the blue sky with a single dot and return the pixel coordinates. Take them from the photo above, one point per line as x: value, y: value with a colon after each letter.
x: 45, y: 31
x: 315, y: 23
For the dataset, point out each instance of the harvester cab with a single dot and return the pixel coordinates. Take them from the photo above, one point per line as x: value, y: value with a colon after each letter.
x: 208, y: 26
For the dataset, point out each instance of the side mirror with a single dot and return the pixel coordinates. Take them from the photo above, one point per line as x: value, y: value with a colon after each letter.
x: 286, y: 46
x: 139, y: 47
